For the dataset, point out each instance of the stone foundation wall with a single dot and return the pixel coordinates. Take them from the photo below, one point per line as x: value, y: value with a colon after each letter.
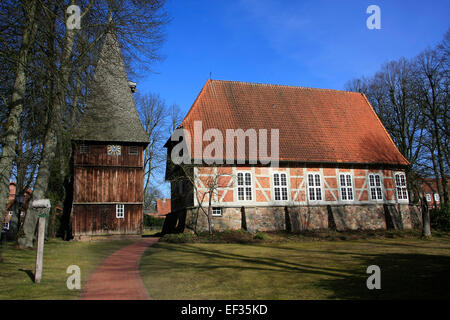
x: 301, y: 218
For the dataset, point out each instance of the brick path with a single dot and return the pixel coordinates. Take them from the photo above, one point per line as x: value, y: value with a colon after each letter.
x: 117, y: 278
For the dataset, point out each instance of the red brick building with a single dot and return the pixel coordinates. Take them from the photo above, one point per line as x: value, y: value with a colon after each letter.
x: 429, y: 189
x: 338, y: 166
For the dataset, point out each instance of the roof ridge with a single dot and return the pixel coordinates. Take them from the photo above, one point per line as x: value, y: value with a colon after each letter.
x: 196, y: 99
x: 284, y: 85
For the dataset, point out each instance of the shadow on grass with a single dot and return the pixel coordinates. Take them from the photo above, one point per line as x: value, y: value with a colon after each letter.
x: 29, y: 273
x: 403, y: 276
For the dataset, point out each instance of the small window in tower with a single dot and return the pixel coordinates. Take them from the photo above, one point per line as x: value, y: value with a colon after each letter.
x: 84, y: 148
x: 133, y: 150
x: 120, y: 211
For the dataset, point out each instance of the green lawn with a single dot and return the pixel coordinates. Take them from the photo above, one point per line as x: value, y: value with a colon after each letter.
x: 16, y: 272
x: 410, y: 268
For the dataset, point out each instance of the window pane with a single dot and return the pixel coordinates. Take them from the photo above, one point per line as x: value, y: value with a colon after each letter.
x: 276, y: 179
x: 379, y: 194
x: 248, y: 179
x: 377, y: 180
x: 241, y: 193
x: 373, y: 193
x: 277, y: 193
x: 317, y: 180
x: 344, y: 194
x: 284, y: 192
x: 349, y: 180
x: 397, y: 180
x: 371, y: 180
x: 402, y: 180
x: 350, y: 193
x: 283, y: 179
x: 405, y: 194
x: 342, y: 180
x: 310, y: 180
x: 240, y: 177
x: 248, y: 193
x: 311, y: 194
x: 318, y: 194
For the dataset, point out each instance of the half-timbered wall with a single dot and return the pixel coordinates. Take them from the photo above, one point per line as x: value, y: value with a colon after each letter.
x: 298, y: 212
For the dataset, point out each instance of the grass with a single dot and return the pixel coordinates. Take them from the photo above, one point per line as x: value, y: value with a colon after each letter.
x: 16, y: 272
x: 307, y: 268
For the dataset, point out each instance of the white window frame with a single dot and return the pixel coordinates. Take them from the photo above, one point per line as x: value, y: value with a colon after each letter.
x: 378, y: 189
x: 436, y: 197
x: 244, y: 186
x: 345, y: 187
x: 280, y: 187
x: 401, y: 188
x: 315, y: 187
x: 6, y: 226
x: 216, y: 211
x: 428, y: 196
x: 120, y: 211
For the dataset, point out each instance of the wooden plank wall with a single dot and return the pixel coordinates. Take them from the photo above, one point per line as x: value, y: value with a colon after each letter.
x: 101, y: 220
x: 101, y: 181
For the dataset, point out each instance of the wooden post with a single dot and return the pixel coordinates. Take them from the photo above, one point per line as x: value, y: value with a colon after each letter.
x: 40, y: 249
x: 44, y: 207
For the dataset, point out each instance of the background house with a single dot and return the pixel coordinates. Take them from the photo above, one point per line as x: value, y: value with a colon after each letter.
x: 429, y: 189
x: 12, y: 220
x: 338, y: 168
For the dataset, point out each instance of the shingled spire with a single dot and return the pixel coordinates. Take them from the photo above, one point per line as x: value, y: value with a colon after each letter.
x: 111, y: 114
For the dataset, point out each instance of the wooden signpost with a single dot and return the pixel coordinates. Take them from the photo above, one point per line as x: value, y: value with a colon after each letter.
x: 43, y: 207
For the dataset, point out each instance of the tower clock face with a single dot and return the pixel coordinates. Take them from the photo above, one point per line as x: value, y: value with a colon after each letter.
x: 114, y: 150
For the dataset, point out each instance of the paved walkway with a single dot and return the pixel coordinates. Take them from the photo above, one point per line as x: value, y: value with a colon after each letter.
x: 117, y: 278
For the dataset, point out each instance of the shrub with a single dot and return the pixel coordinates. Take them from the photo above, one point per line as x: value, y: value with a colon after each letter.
x: 177, y: 238
x: 261, y: 236
x: 150, y: 221
x: 440, y: 218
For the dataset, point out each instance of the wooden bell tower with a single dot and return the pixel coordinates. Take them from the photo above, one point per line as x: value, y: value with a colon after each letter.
x: 108, y: 147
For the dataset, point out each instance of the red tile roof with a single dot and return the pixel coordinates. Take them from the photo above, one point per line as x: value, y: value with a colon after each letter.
x: 315, y: 125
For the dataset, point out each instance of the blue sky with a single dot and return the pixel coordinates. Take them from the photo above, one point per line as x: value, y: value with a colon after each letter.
x: 314, y: 43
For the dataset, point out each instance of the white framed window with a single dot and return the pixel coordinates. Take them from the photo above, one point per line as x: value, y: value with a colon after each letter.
x: 346, y: 186
x: 400, y: 186
x: 436, y: 197
x: 133, y: 150
x: 120, y: 211
x: 6, y: 226
x: 428, y: 197
x: 280, y: 187
x: 314, y: 187
x: 84, y: 148
x: 376, y: 191
x: 216, y: 211
x: 244, y: 186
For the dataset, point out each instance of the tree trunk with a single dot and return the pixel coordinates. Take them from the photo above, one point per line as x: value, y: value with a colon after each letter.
x: 50, y: 143
x: 16, y: 106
